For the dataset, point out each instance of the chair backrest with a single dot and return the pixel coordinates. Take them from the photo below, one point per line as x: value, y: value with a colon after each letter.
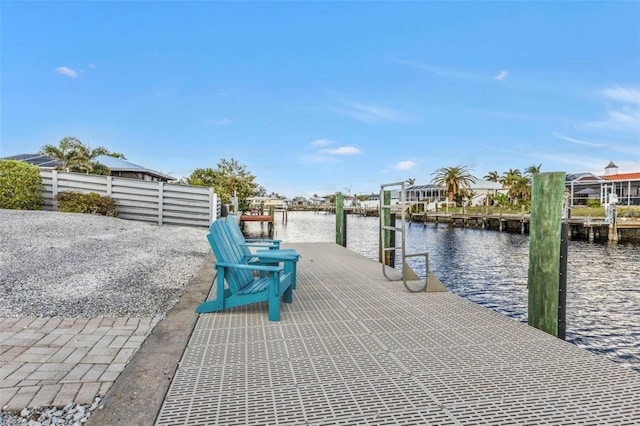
x: 227, y: 250
x: 236, y: 233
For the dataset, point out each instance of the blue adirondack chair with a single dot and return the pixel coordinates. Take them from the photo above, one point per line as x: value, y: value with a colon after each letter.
x: 251, y: 242
x: 242, y: 287
x: 269, y: 255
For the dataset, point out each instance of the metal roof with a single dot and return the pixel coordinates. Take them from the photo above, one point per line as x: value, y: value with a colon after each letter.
x: 39, y: 160
x: 113, y: 163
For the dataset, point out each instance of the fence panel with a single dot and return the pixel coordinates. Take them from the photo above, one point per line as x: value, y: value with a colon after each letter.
x: 156, y: 202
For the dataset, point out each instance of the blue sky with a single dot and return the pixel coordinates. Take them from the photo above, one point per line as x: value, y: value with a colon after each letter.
x: 320, y: 97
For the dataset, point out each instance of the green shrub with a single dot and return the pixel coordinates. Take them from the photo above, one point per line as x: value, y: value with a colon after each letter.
x: 593, y: 203
x: 76, y: 202
x: 20, y: 186
x: 629, y: 211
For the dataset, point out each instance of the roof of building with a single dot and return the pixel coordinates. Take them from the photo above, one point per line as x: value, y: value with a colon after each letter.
x: 39, y: 160
x: 114, y: 164
x: 583, y: 177
x: 120, y: 165
x: 623, y: 176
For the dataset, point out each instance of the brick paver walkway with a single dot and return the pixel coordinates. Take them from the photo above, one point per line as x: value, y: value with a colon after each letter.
x: 55, y: 361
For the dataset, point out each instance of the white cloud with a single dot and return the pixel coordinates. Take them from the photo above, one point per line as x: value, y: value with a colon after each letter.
x: 322, y: 142
x: 371, y: 114
x: 221, y: 122
x: 622, y: 94
x: 405, y: 165
x: 66, y: 71
x: 628, y: 118
x: 501, y: 76
x: 577, y: 141
x: 438, y: 70
x: 343, y: 150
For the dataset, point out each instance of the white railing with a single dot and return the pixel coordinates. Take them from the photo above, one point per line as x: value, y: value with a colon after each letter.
x: 157, y: 202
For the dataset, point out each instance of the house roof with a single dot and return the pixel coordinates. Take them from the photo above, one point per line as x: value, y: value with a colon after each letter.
x: 114, y: 164
x: 43, y: 161
x: 623, y: 176
x: 120, y: 165
x: 583, y: 177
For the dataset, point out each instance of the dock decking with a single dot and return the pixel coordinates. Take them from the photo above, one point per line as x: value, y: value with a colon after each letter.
x: 354, y: 348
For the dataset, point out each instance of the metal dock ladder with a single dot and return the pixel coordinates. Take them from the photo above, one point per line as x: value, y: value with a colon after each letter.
x: 388, y: 248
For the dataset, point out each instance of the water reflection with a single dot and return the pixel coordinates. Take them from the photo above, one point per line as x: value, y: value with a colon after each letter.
x: 490, y: 268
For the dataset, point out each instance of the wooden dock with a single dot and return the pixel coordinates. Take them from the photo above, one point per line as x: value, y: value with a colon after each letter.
x: 583, y: 227
x: 354, y: 348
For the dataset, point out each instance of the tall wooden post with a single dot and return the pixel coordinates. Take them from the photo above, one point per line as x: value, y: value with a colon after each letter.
x: 385, y: 218
x: 544, y: 250
x: 341, y: 224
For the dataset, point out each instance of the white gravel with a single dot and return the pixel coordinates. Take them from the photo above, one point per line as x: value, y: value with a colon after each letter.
x: 79, y: 265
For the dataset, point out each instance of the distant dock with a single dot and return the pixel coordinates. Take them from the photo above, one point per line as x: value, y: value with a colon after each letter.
x: 582, y: 227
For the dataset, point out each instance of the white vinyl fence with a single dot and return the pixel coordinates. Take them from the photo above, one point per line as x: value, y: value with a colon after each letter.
x: 158, y: 202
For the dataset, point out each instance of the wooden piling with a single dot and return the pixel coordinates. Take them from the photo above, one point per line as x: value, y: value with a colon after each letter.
x: 385, y: 220
x: 544, y: 250
x: 341, y: 228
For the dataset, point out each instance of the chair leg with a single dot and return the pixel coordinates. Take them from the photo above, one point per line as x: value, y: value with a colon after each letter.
x: 287, y: 297
x: 274, y: 308
x: 209, y: 306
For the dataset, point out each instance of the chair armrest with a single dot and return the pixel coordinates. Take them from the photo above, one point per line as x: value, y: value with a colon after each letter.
x: 263, y: 268
x: 257, y: 245
x: 261, y: 240
x: 280, y: 255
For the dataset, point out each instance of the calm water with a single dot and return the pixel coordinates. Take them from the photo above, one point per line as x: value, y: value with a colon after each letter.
x: 490, y: 268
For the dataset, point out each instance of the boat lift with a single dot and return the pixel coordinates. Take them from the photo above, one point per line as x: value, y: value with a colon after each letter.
x: 411, y: 280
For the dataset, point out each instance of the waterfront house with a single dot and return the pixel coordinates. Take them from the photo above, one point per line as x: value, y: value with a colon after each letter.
x: 583, y: 187
x: 479, y: 191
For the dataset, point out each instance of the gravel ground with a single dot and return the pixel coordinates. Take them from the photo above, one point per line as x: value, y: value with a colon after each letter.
x: 79, y: 265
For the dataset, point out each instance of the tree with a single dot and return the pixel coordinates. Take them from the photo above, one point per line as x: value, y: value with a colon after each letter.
x: 411, y: 181
x: 454, y: 179
x: 74, y: 156
x: 520, y: 189
x: 492, y: 176
x: 229, y: 179
x: 533, y: 170
x: 509, y: 177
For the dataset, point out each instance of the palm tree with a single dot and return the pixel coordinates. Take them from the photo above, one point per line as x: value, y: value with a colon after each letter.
x: 520, y: 189
x: 65, y: 152
x: 533, y: 170
x: 509, y: 177
x: 492, y: 176
x: 75, y: 156
x: 454, y: 179
x: 411, y: 181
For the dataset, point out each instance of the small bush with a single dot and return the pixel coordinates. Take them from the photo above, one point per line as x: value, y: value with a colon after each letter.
x: 593, y: 203
x: 20, y: 186
x: 76, y: 202
x: 629, y: 211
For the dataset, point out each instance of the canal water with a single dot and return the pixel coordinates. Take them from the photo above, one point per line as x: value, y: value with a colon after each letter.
x: 490, y: 268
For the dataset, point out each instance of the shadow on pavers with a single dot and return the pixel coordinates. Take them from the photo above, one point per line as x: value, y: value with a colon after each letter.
x: 139, y: 391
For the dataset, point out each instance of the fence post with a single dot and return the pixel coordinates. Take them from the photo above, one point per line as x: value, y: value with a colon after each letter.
x: 54, y: 184
x: 109, y: 185
x: 160, y: 201
x: 213, y: 205
x: 544, y: 251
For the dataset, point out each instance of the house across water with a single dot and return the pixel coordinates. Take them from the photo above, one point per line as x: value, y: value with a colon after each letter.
x: 583, y: 187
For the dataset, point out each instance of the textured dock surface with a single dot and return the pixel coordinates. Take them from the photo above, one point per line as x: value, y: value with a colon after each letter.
x: 354, y: 348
